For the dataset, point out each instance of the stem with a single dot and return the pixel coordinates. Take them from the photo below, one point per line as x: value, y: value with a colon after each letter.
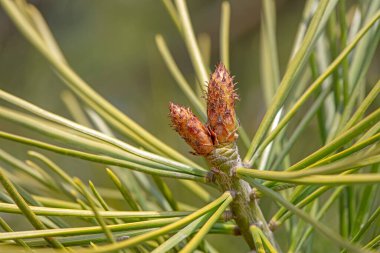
x: 246, y: 212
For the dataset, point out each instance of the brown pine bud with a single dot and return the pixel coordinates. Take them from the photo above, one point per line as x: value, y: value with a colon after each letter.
x: 221, y: 98
x: 191, y: 129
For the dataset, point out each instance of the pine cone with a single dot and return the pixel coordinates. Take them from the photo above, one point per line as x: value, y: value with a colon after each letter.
x: 221, y: 98
x: 191, y: 129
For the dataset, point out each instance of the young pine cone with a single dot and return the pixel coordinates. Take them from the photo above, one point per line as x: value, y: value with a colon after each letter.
x: 191, y: 129
x: 221, y: 98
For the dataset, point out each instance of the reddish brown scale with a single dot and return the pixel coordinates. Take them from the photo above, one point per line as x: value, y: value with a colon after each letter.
x: 191, y: 129
x: 221, y: 98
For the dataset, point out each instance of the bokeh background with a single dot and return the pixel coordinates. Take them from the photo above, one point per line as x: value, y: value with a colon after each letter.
x: 111, y: 45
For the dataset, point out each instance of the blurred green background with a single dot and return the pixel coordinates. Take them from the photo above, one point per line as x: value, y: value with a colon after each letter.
x: 111, y: 45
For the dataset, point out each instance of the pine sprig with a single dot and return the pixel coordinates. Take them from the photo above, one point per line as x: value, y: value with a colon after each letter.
x: 328, y: 68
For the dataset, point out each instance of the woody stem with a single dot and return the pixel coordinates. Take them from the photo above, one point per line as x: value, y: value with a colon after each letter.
x: 246, y: 211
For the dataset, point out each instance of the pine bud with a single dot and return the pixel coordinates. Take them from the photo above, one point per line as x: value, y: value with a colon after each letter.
x: 191, y: 129
x: 221, y: 98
